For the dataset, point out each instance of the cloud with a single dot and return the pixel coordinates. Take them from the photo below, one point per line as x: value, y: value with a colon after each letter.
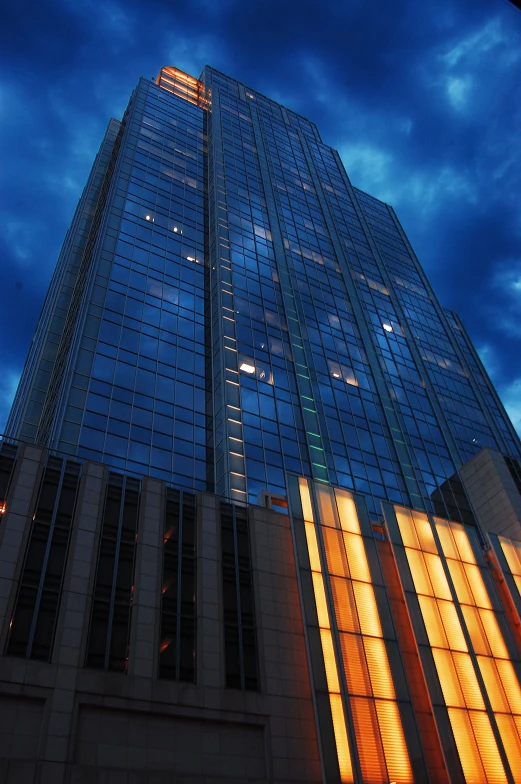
x: 511, y: 397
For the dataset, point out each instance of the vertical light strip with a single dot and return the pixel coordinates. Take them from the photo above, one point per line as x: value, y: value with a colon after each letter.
x: 335, y: 699
x: 381, y: 745
x: 477, y: 748
x: 501, y: 682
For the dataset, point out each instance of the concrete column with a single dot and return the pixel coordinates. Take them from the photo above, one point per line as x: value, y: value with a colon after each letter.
x: 210, y: 629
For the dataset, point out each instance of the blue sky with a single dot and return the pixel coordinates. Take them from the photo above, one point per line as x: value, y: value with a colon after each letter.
x: 422, y: 100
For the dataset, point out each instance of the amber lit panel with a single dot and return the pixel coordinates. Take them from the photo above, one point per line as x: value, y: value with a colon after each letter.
x: 476, y: 743
x: 498, y: 673
x: 328, y: 652
x: 181, y: 84
x: 364, y: 666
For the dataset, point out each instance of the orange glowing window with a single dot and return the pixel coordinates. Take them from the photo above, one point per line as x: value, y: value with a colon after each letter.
x: 437, y: 576
x: 356, y: 557
x: 466, y: 745
x: 493, y: 684
x: 466, y: 553
x: 305, y: 499
x: 511, y: 684
x: 379, y: 670
x: 419, y: 572
x: 393, y: 739
x: 517, y: 580
x: 367, y: 609
x: 314, y: 556
x: 433, y: 622
x: 347, y: 511
x: 326, y: 505
x: 344, y: 601
x: 511, y: 554
x: 475, y: 629
x: 493, y: 633
x: 468, y: 680
x: 487, y: 746
x: 329, y: 661
x: 357, y: 676
x: 320, y: 600
x: 459, y: 578
x: 447, y: 542
x: 477, y: 586
x: 406, y: 526
x: 370, y: 751
x: 342, y: 743
x: 335, y: 552
x: 452, y: 625
x: 449, y: 681
x: 424, y: 532
x: 512, y: 743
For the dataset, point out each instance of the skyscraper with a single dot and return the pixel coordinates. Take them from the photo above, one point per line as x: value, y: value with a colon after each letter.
x: 260, y: 504
x: 227, y: 307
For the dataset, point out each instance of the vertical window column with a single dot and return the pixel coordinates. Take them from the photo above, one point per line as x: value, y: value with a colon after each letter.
x: 178, y: 601
x: 238, y: 602
x: 34, y: 619
x: 107, y: 646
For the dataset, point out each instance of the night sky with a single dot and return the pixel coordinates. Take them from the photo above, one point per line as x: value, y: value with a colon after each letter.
x: 422, y: 100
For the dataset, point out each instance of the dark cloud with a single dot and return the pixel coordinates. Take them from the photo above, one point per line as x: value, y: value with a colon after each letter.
x: 421, y: 99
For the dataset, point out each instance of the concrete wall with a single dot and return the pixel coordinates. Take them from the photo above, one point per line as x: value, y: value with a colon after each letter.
x: 493, y: 493
x: 61, y: 722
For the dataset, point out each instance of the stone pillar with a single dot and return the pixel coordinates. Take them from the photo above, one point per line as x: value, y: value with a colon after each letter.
x: 73, y: 622
x: 145, y: 623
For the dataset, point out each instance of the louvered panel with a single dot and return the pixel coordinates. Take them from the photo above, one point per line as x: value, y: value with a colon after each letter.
x: 488, y: 749
x: 468, y: 680
x: 493, y: 634
x: 344, y: 601
x: 424, y: 532
x: 368, y: 742
x: 449, y: 681
x: 367, y: 609
x: 329, y: 661
x: 477, y: 586
x: 466, y: 553
x: 342, y: 743
x: 335, y: 552
x: 347, y: 511
x: 326, y: 505
x: 447, y: 542
x: 407, y: 528
x: 475, y: 629
x: 452, y: 625
x: 320, y: 600
x: 419, y: 572
x: 511, y: 684
x: 356, y: 557
x: 459, y: 578
x: 433, y: 622
x: 512, y: 743
x: 437, y: 576
x: 466, y: 744
x: 393, y: 740
x: 355, y: 667
x: 493, y: 685
x: 379, y: 669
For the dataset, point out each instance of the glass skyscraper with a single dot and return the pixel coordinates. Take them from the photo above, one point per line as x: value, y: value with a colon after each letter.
x: 228, y: 309
x: 233, y: 331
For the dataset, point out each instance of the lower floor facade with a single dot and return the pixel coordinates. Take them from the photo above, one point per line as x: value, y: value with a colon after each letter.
x: 152, y: 635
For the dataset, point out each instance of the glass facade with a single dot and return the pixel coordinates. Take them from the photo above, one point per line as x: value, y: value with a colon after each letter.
x: 228, y: 309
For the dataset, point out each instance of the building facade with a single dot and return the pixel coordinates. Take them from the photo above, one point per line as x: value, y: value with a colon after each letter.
x: 260, y: 504
x: 228, y: 308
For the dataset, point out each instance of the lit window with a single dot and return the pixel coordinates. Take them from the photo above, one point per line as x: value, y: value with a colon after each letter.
x: 387, y: 327
x: 175, y: 228
x: 247, y: 368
